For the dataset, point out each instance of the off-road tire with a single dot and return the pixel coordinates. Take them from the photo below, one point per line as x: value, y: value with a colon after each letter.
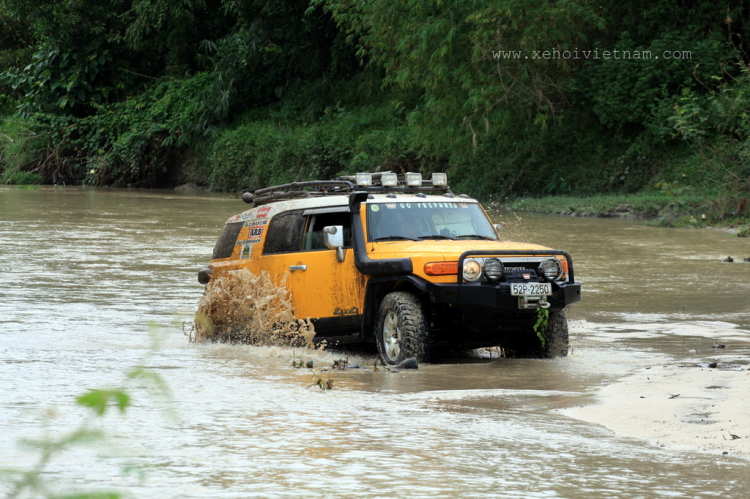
x: 556, y: 336
x: 528, y: 345
x: 401, y: 330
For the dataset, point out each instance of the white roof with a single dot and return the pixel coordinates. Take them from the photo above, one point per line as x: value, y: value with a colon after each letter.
x: 271, y: 209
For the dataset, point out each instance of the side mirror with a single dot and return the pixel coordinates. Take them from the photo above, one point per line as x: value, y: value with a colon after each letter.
x: 498, y: 228
x: 333, y: 236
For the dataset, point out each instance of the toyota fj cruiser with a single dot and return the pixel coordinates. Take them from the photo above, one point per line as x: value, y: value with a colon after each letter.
x: 403, y: 263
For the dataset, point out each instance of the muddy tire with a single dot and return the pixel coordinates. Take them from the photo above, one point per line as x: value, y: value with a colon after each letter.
x: 556, y: 336
x: 528, y: 345
x: 401, y: 328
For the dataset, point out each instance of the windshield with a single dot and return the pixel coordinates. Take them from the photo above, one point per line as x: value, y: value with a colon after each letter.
x: 423, y: 220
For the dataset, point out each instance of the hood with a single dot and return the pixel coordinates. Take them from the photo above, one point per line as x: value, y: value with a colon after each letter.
x: 447, y: 250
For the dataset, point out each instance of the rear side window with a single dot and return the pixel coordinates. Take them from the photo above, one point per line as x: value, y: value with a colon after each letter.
x: 225, y: 244
x: 285, y: 233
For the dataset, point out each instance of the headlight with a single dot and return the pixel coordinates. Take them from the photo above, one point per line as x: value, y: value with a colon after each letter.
x: 493, y: 268
x: 552, y: 269
x: 472, y: 270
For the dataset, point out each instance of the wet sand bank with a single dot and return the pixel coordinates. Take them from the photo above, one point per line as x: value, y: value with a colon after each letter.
x: 679, y: 406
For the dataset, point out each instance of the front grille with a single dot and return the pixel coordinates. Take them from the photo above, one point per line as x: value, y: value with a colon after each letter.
x: 520, y: 276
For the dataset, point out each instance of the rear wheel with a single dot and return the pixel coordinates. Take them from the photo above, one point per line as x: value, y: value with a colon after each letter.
x: 401, y: 329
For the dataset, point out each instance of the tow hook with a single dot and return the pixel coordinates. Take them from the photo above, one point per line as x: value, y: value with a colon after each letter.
x: 532, y: 302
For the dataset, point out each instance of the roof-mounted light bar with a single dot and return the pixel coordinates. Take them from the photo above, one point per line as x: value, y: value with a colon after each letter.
x: 364, y: 179
x: 389, y: 180
x: 439, y: 179
x: 414, y: 179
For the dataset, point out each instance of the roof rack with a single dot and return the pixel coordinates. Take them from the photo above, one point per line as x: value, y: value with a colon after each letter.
x: 298, y: 190
x: 343, y: 185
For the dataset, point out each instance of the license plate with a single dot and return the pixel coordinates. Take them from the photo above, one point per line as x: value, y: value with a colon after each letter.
x: 530, y: 289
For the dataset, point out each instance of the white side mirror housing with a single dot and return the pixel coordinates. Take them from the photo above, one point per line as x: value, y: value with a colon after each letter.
x: 333, y: 236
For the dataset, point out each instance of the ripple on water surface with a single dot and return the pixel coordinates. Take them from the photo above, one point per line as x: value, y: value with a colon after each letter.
x: 77, y: 298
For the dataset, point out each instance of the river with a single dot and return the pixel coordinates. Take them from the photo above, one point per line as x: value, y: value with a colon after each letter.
x: 96, y: 281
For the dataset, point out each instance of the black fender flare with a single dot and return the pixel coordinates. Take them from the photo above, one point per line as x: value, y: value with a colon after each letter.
x: 378, y: 287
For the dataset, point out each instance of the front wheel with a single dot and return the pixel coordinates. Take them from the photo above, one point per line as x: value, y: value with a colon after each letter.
x: 556, y: 336
x: 401, y: 329
x: 527, y: 344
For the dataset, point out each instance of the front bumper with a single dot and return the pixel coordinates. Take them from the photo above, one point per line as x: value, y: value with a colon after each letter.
x: 497, y: 297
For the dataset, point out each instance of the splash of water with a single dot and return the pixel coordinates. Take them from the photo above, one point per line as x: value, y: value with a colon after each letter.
x: 241, y: 307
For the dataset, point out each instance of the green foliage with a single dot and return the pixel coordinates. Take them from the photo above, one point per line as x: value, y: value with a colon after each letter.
x: 99, y: 400
x: 717, y: 128
x: 134, y: 141
x: 628, y: 87
x: 168, y: 32
x: 16, y: 150
x: 267, y: 152
x: 298, y: 363
x: 63, y: 80
x: 19, y: 178
x: 323, y: 384
x: 648, y: 205
x: 540, y: 326
x: 250, y: 93
x: 447, y: 53
x: 129, y: 142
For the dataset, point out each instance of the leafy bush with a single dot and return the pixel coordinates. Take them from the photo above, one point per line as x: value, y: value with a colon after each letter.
x: 19, y: 178
x: 268, y: 151
x: 17, y: 147
x: 627, y: 91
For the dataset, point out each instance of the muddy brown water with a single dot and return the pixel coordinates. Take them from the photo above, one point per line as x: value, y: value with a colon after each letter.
x: 89, y: 277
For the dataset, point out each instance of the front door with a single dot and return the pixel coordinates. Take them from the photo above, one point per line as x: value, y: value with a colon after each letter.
x: 329, y: 292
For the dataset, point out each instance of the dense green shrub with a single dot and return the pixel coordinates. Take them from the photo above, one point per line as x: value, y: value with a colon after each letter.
x: 19, y: 178
x: 268, y: 151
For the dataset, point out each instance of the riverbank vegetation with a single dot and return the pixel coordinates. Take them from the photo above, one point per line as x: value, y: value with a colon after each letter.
x: 514, y: 100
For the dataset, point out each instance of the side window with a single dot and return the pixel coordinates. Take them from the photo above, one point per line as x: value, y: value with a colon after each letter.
x: 285, y: 233
x: 313, y: 239
x: 225, y: 244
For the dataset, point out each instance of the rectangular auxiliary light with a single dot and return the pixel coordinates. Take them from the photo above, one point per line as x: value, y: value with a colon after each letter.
x: 439, y: 179
x: 364, y: 179
x: 413, y: 179
x: 389, y: 180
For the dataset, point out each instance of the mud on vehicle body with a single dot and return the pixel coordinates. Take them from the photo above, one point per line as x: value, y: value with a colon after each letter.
x: 402, y: 263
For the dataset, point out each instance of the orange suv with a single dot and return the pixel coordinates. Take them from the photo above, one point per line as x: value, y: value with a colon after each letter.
x: 401, y: 262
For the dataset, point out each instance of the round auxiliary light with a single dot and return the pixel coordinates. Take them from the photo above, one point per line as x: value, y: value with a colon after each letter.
x: 472, y: 270
x: 552, y: 269
x: 493, y: 269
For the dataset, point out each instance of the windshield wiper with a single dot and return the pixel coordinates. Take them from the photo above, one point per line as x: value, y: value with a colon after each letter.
x: 437, y: 236
x: 477, y: 236
x: 394, y: 238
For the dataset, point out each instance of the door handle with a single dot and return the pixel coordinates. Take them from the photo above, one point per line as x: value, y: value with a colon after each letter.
x: 297, y: 267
